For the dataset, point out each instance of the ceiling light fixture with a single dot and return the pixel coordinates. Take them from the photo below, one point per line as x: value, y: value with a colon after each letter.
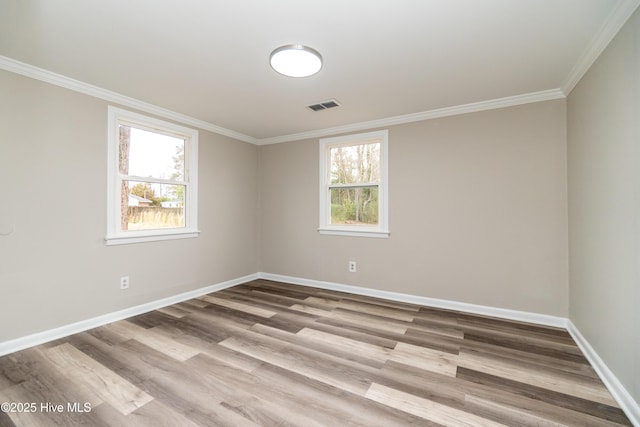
x: 295, y: 60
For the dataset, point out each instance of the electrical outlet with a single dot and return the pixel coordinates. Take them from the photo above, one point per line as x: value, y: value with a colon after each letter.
x: 352, y: 267
x: 124, y: 282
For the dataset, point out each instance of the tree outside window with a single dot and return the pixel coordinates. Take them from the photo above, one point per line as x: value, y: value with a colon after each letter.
x: 353, y: 191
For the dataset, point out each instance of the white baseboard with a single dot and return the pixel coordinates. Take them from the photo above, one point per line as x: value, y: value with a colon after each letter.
x: 617, y: 390
x: 622, y: 396
x: 21, y: 343
x: 503, y: 313
x: 630, y: 407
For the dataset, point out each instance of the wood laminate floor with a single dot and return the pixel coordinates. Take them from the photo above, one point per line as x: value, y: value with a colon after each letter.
x: 273, y: 354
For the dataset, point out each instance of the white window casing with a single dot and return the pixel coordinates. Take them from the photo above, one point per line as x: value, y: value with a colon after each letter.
x: 115, y: 235
x: 379, y: 230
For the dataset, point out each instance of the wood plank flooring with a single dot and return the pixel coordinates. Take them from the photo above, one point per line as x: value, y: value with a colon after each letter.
x: 274, y: 354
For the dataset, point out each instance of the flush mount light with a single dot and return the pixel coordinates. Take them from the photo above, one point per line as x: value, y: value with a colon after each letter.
x: 295, y: 60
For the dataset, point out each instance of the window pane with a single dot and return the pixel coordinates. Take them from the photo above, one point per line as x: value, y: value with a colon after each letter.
x: 152, y: 206
x: 354, y: 206
x: 150, y: 154
x: 355, y: 164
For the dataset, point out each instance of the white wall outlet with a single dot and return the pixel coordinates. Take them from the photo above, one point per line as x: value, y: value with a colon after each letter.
x: 352, y: 267
x: 124, y: 282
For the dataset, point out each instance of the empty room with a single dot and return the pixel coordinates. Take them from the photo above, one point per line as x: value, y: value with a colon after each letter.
x: 292, y: 213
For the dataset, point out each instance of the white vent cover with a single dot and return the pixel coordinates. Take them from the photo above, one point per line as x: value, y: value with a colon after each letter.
x: 324, y: 105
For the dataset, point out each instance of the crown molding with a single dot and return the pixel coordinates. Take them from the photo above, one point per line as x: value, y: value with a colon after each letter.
x: 612, y: 25
x: 492, y: 104
x: 41, y: 74
x: 47, y: 76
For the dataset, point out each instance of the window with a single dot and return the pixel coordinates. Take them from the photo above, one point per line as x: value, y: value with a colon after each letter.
x: 353, y: 185
x: 152, y: 179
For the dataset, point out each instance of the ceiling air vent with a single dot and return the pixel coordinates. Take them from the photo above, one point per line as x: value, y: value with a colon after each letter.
x: 324, y: 105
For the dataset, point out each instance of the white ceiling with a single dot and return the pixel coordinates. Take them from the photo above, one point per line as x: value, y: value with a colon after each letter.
x: 208, y: 59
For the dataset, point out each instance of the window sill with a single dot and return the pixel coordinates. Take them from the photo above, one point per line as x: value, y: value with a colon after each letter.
x: 379, y: 234
x: 156, y: 237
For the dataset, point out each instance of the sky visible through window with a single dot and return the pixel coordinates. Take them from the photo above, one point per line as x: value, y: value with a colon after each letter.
x: 152, y: 154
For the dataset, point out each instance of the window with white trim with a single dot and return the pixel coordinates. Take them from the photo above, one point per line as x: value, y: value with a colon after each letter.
x: 152, y: 179
x: 354, y: 190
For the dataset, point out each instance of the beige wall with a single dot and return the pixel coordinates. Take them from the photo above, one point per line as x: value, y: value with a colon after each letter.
x: 604, y: 205
x: 478, y: 212
x: 55, y: 268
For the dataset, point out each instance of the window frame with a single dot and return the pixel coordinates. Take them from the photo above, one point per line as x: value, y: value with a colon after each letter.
x: 325, y: 227
x: 117, y: 236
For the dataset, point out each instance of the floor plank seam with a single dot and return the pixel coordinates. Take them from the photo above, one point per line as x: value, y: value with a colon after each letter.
x: 270, y: 353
